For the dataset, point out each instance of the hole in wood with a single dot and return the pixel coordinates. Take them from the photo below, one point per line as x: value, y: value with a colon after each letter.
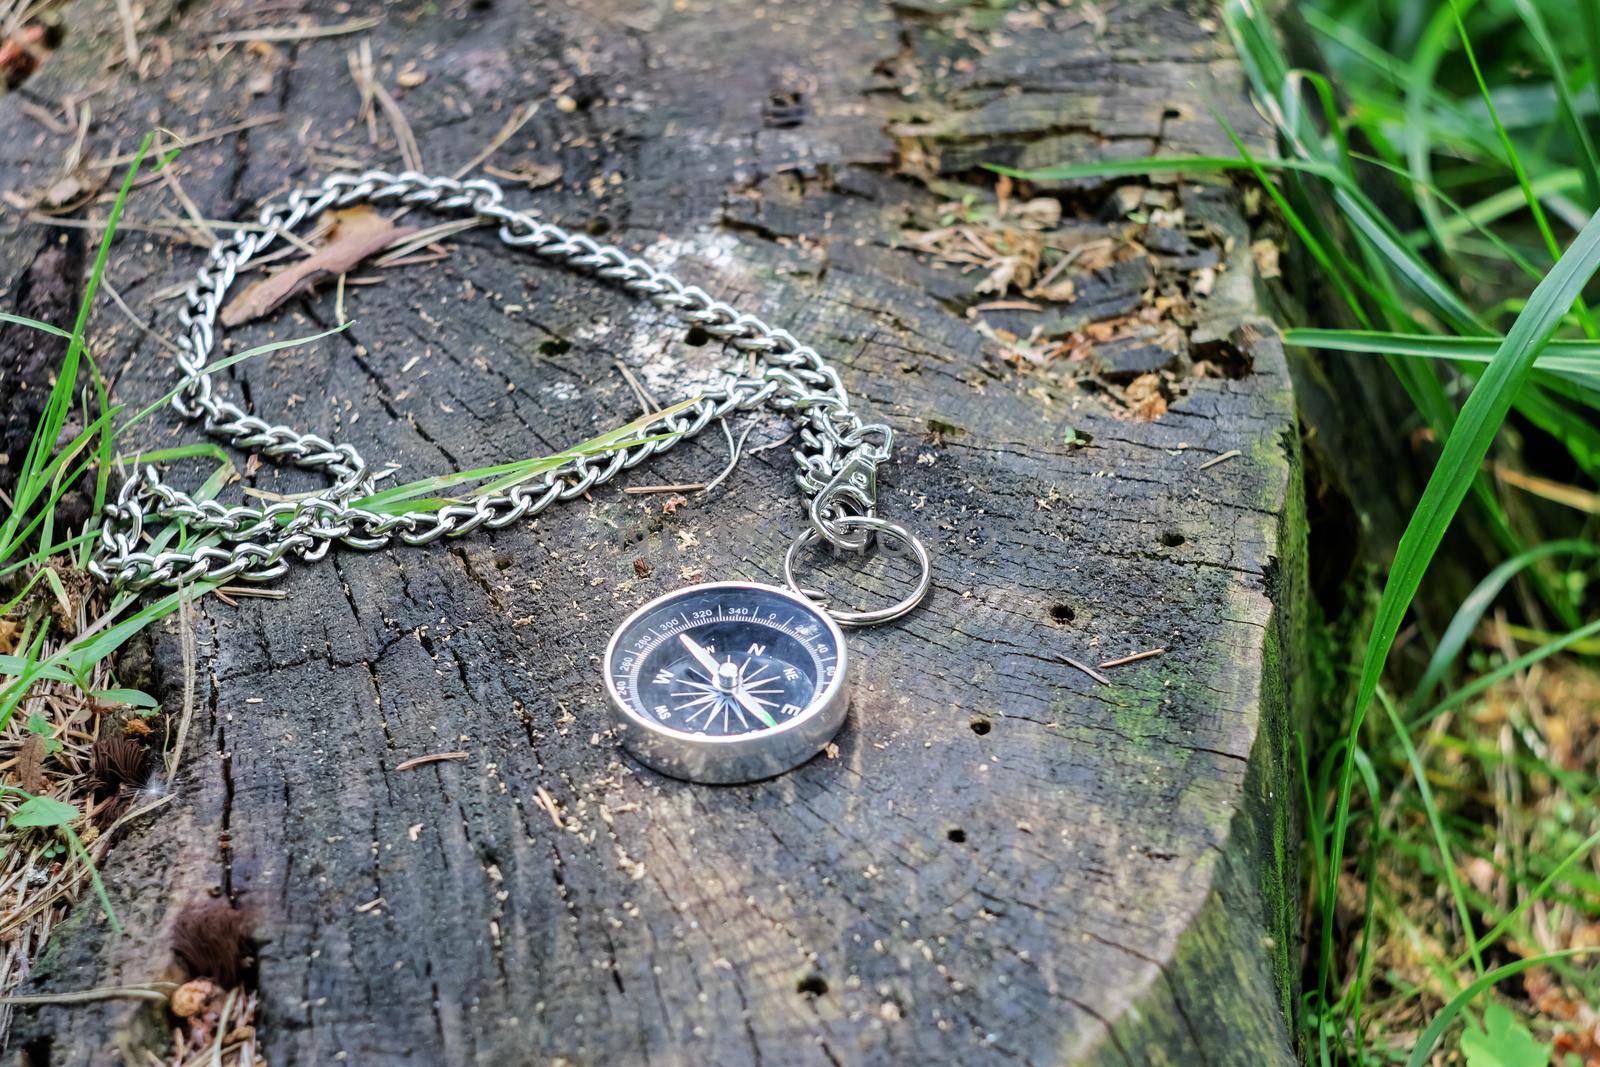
x: 1062, y: 613
x: 956, y: 834
x: 812, y: 985
x: 784, y: 110
x: 555, y: 346
x: 1172, y: 538
x: 980, y: 726
x: 697, y: 336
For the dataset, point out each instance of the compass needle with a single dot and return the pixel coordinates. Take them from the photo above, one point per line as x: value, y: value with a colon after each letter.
x: 727, y: 682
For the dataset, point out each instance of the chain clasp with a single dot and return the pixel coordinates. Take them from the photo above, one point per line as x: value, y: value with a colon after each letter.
x: 853, y: 491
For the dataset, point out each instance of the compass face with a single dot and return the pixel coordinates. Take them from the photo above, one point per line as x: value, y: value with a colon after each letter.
x: 724, y: 682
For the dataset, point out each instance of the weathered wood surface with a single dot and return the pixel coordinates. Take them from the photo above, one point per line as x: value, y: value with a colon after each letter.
x: 1005, y: 861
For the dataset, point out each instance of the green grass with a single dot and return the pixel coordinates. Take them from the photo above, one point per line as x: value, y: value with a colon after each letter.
x: 1472, y: 120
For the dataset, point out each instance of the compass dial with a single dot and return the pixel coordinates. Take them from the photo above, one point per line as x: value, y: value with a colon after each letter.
x: 726, y: 682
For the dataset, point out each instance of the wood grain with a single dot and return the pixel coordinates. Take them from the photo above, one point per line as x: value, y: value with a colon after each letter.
x: 1004, y: 861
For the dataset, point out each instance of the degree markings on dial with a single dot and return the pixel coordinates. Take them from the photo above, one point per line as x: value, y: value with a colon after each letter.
x: 815, y: 643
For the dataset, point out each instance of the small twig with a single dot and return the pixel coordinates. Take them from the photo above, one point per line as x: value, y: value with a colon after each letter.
x: 409, y: 241
x: 432, y: 757
x: 376, y: 902
x: 159, y: 991
x: 189, y: 141
x: 688, y: 488
x: 116, y: 298
x: 509, y: 130
x: 549, y: 804
x: 646, y: 401
x: 770, y: 445
x: 251, y: 591
x: 1008, y: 305
x: 186, y: 648
x: 364, y: 74
x: 1136, y: 657
x: 1232, y: 453
x: 75, y: 155
x: 222, y: 1024
x: 130, y: 35
x: 296, y: 33
x: 196, y: 216
x: 1055, y: 272
x: 45, y: 119
x: 734, y: 449
x: 1086, y: 669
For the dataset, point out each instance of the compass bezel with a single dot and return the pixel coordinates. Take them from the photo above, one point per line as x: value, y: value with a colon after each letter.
x: 728, y: 759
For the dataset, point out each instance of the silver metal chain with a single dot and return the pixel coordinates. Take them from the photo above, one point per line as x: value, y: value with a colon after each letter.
x: 837, y: 454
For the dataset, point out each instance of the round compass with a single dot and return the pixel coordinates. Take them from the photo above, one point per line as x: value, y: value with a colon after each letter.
x: 727, y: 682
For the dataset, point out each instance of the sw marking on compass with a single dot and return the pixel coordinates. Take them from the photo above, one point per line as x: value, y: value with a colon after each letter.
x: 711, y: 667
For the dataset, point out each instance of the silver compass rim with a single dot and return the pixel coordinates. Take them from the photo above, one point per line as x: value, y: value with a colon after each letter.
x: 730, y: 759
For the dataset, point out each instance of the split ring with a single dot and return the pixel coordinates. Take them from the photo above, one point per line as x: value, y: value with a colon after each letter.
x: 872, y: 525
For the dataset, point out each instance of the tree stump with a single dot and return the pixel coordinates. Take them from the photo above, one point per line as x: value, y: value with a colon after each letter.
x: 1004, y: 859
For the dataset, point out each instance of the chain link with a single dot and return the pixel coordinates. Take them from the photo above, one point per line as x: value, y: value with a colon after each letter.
x: 836, y: 460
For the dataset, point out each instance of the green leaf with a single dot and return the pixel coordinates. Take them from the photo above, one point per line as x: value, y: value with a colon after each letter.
x: 43, y: 811
x: 1423, y: 1049
x: 1502, y: 1042
x: 38, y: 725
x: 35, y: 324
x: 133, y: 698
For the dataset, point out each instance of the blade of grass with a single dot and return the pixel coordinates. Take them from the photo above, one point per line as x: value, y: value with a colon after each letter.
x: 520, y: 470
x: 1590, y: 163
x: 1423, y: 1049
x: 29, y: 483
x: 1507, y: 670
x: 1472, y: 609
x: 1493, y: 933
x: 1580, y: 358
x: 35, y: 324
x: 228, y: 361
x: 1441, y: 840
x: 1512, y: 158
x: 1453, y: 476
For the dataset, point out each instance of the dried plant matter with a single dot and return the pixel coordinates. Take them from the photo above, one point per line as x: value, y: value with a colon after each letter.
x: 115, y: 762
x: 212, y: 938
x: 358, y: 232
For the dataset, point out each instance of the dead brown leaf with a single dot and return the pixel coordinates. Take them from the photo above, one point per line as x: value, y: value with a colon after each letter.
x: 1265, y: 253
x: 357, y: 233
x: 70, y: 191
x: 30, y: 763
x: 533, y: 175
x: 1145, y: 399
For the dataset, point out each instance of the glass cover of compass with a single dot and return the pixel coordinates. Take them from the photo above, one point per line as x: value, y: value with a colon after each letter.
x: 727, y: 682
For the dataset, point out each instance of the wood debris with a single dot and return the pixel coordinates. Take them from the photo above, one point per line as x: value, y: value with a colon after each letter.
x: 296, y: 33
x: 433, y: 757
x: 533, y: 175
x: 1135, y: 658
x: 1086, y: 669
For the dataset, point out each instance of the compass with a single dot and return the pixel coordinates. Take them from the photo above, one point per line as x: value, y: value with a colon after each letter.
x: 727, y: 682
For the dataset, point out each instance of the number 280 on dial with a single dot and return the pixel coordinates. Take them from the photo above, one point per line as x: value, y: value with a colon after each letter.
x: 727, y: 682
